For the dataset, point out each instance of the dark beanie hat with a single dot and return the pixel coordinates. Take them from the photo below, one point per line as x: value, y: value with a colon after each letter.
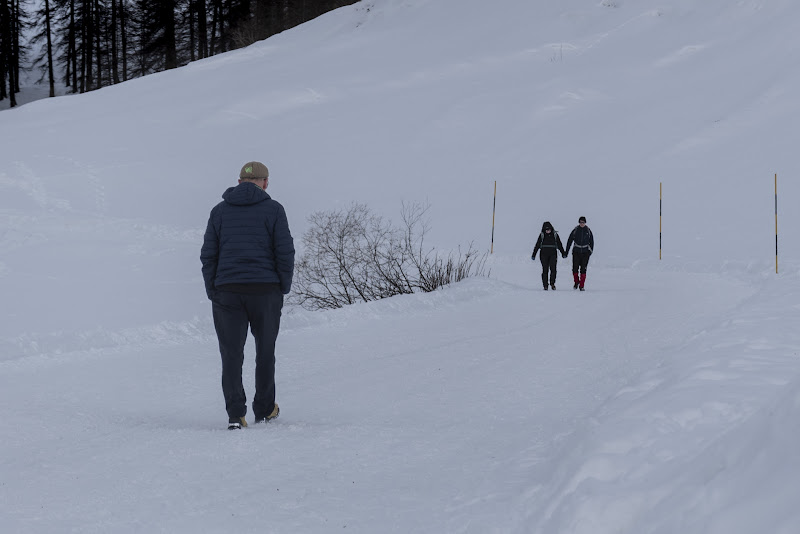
x: 254, y: 170
x: 582, y: 219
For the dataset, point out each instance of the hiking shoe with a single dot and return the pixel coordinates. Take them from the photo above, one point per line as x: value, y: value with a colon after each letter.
x: 575, y: 286
x: 236, y: 423
x: 583, y: 289
x: 275, y: 413
x: 553, y: 286
x: 545, y: 288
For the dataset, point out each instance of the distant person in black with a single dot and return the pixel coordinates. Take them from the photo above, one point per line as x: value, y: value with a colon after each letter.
x: 550, y: 244
x: 582, y: 236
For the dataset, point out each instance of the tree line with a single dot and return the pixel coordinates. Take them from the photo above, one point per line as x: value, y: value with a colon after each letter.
x: 88, y: 44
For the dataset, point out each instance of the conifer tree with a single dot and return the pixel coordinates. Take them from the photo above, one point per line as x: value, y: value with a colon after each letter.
x: 44, y: 22
x: 87, y: 44
x: 8, y: 68
x: 66, y: 39
x: 19, y: 18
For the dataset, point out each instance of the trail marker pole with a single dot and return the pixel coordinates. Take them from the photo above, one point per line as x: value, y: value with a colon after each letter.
x: 776, y: 223
x: 494, y: 206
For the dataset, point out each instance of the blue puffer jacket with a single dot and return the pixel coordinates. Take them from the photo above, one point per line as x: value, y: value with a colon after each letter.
x: 247, y: 241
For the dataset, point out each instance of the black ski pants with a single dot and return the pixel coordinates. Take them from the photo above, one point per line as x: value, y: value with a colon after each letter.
x: 580, y: 261
x: 233, y: 314
x: 549, y: 259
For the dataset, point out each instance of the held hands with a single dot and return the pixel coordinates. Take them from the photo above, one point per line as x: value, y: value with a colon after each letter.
x: 564, y: 255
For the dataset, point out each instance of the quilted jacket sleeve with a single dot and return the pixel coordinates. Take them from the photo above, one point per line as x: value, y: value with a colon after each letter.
x: 284, y: 250
x: 209, y: 255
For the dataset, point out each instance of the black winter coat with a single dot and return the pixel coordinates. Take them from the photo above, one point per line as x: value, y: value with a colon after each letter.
x: 583, y: 238
x: 548, y: 241
x: 247, y: 241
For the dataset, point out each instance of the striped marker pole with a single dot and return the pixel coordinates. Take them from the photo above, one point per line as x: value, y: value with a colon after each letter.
x: 494, y: 206
x: 659, y: 219
x: 776, y: 223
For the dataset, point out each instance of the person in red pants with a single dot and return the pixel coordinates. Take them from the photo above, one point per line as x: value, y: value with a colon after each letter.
x: 583, y: 239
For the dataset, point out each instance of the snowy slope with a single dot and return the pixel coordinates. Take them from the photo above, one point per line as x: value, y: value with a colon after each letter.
x: 666, y: 398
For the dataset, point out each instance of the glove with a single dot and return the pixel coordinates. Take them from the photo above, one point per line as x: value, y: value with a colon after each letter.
x: 533, y: 256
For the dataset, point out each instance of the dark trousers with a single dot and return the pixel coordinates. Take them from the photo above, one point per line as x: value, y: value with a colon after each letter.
x: 233, y: 313
x: 549, y: 260
x: 580, y: 260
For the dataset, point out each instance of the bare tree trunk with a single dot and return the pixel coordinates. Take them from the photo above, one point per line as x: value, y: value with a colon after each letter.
x: 4, y: 14
x: 49, y: 50
x: 114, y: 48
x: 261, y: 19
x: 123, y: 29
x: 192, y: 39
x: 12, y: 70
x: 3, y: 93
x: 96, y: 22
x: 73, y: 45
x: 202, y: 28
x: 7, y: 53
x: 214, y: 19
x: 88, y: 48
x: 168, y: 20
x: 15, y: 29
x: 223, y: 28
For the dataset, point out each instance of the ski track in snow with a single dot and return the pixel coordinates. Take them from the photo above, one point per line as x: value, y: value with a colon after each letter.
x: 416, y: 370
x: 740, y: 379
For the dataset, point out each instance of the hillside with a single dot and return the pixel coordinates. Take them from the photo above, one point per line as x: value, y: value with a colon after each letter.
x: 663, y: 399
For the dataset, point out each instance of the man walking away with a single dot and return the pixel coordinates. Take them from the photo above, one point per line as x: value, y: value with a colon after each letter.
x: 550, y: 244
x: 582, y: 236
x: 248, y: 261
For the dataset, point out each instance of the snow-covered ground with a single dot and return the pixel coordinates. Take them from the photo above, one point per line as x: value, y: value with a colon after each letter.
x: 664, y: 399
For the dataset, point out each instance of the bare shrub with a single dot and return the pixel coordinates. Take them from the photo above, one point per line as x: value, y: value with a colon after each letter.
x: 248, y: 32
x: 353, y: 255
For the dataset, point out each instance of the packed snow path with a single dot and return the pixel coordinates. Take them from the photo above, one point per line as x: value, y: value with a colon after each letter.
x: 445, y: 412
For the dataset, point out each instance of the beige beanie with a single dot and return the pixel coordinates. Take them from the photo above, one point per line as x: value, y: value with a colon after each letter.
x: 254, y: 170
